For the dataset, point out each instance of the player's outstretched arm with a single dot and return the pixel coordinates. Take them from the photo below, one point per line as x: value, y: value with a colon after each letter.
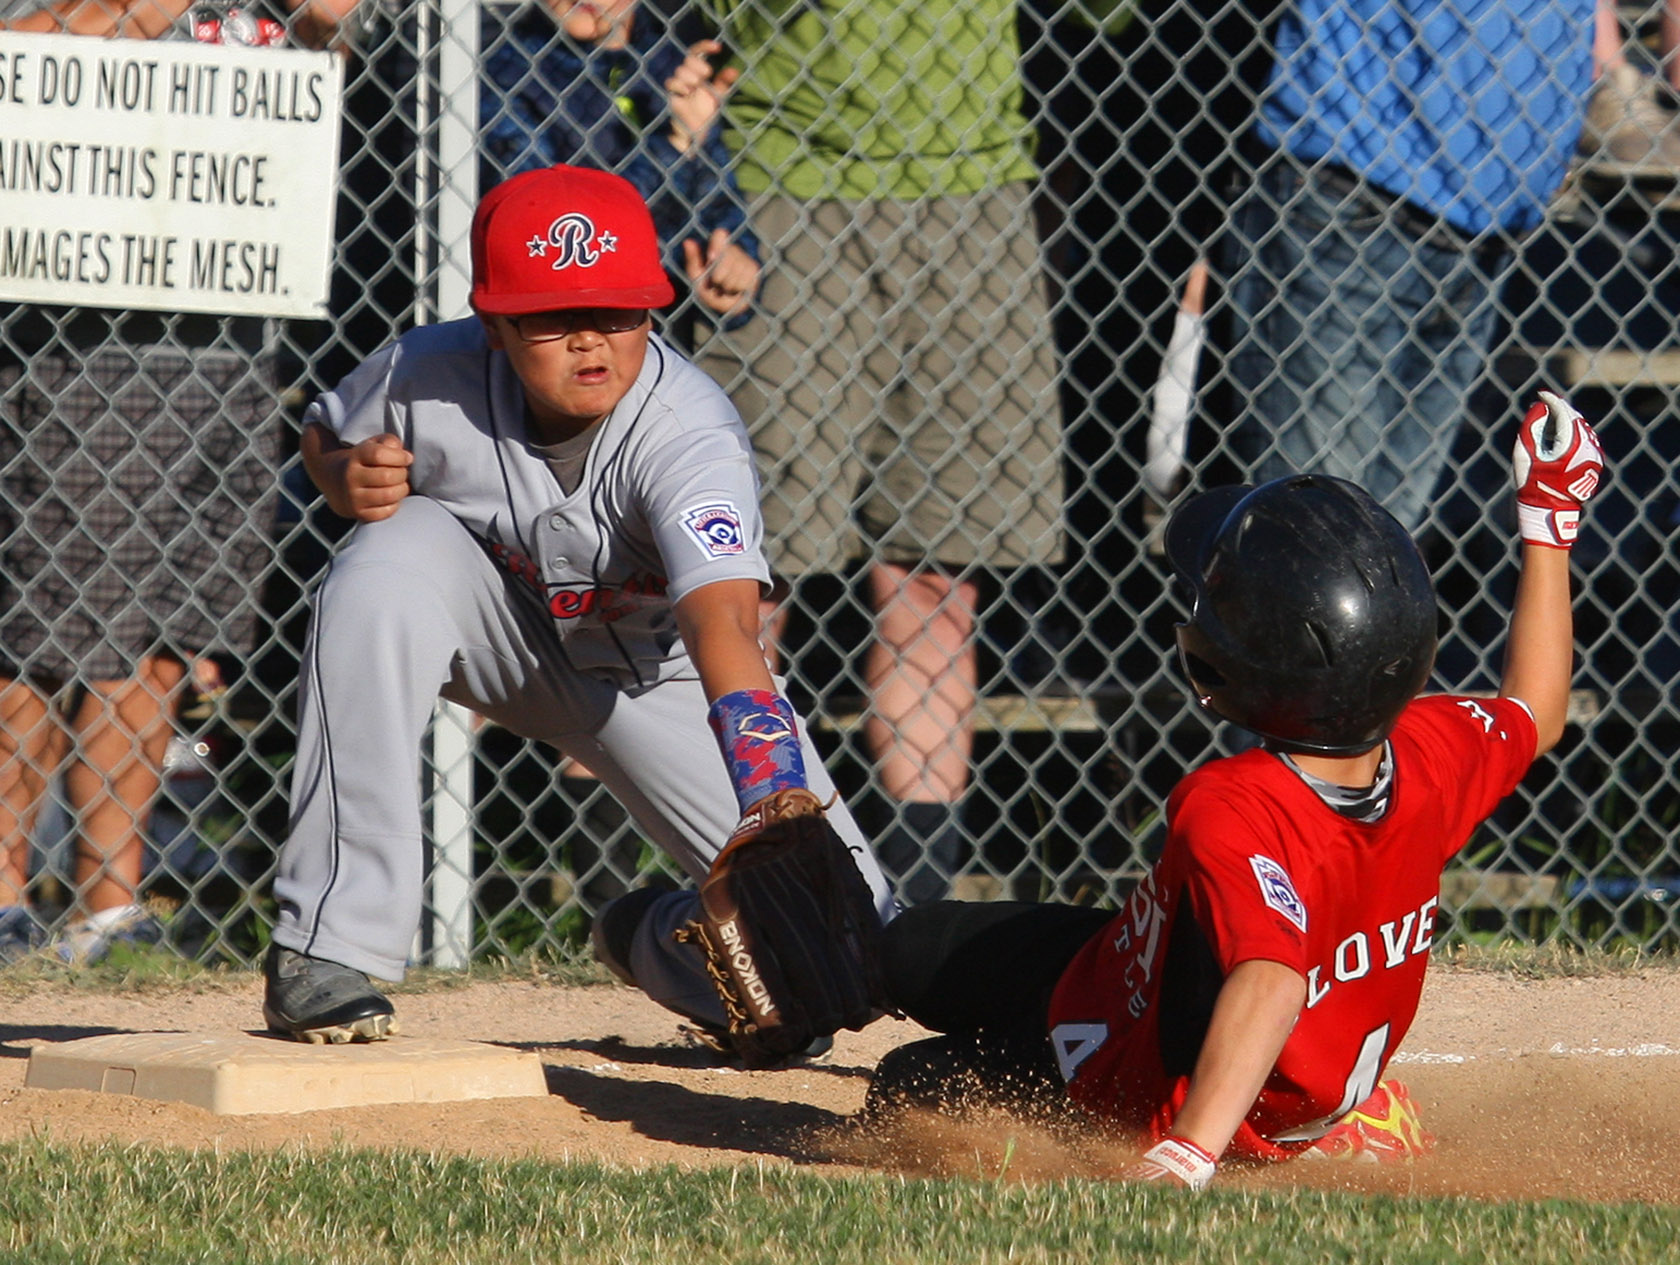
x: 364, y: 481
x: 719, y: 624
x: 787, y: 928
x: 755, y: 727
x: 1557, y: 465
x: 1252, y: 1018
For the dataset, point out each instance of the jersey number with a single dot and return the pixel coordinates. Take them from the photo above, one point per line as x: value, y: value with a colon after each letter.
x: 1479, y: 712
x: 1074, y: 1043
x: 1361, y: 1084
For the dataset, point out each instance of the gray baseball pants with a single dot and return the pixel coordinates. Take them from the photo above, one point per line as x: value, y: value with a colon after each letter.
x: 410, y: 610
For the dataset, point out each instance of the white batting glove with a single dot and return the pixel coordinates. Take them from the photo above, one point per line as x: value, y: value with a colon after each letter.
x: 1175, y: 1161
x: 1557, y: 465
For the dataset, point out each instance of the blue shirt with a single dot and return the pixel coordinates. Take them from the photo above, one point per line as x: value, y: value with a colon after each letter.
x: 547, y: 99
x: 1469, y: 108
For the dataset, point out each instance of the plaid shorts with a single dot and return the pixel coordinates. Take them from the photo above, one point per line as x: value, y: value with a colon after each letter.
x: 137, y: 495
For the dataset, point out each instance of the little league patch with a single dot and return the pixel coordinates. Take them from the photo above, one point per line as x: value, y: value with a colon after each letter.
x: 716, y: 528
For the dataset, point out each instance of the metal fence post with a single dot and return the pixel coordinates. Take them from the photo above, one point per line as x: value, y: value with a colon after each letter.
x: 452, y: 173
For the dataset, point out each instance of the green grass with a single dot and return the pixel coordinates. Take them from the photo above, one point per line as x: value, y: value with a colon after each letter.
x: 1549, y: 961
x: 159, y: 970
x: 112, y: 1202
x: 151, y: 969
x: 120, y: 1204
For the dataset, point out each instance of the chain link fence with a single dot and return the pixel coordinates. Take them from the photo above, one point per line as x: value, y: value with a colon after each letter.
x: 1144, y: 129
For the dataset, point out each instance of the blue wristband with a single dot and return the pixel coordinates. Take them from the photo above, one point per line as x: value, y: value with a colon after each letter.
x: 759, y: 739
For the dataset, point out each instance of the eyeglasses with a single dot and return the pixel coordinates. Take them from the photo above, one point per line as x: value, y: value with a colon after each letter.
x: 545, y: 327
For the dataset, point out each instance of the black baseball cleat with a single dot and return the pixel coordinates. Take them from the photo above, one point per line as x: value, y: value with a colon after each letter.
x: 323, y: 1003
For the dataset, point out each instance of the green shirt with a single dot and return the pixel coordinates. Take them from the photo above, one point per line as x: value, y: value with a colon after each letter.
x: 877, y: 99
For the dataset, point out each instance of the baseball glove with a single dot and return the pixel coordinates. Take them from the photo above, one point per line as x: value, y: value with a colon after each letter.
x: 789, y: 931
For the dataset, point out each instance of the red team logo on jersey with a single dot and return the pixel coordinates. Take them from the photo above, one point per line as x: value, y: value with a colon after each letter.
x: 575, y: 602
x: 516, y: 564
x: 610, y: 603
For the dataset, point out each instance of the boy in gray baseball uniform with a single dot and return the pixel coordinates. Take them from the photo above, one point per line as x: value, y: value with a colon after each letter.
x: 558, y: 527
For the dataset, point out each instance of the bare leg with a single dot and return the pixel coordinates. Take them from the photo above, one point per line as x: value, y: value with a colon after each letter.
x: 122, y: 730
x: 1671, y: 42
x: 31, y: 746
x: 920, y: 728
x: 922, y: 678
x: 1608, y: 46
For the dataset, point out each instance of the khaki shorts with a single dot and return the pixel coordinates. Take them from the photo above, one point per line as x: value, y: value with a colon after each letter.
x: 899, y: 381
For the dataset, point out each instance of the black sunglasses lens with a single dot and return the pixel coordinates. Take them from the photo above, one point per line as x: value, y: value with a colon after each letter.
x: 537, y: 327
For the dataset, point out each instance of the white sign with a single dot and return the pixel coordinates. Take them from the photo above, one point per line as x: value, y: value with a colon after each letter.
x: 176, y: 176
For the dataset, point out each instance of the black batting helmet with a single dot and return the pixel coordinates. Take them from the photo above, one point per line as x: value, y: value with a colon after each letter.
x: 1312, y: 617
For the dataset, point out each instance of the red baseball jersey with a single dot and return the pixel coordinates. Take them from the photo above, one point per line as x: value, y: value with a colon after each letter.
x: 1258, y: 866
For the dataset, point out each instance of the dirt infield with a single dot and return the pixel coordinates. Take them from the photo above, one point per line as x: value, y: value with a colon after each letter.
x: 1552, y: 1088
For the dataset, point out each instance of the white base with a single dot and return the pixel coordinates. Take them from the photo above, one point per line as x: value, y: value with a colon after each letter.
x: 250, y: 1074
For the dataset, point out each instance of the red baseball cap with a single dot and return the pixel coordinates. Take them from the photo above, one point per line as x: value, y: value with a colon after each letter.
x: 565, y: 237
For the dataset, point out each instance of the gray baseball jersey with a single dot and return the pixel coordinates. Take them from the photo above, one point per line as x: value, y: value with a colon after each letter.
x: 546, y: 611
x: 668, y: 501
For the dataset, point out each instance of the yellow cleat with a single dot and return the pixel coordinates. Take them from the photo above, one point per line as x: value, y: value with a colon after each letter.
x: 1384, y: 1129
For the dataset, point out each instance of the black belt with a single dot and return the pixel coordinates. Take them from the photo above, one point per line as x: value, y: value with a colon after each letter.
x: 1424, y: 225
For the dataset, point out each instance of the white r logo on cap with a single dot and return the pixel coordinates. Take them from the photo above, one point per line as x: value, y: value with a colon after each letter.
x: 574, y: 236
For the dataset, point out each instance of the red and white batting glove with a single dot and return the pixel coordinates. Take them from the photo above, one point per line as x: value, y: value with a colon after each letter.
x: 1557, y: 465
x: 1175, y: 1161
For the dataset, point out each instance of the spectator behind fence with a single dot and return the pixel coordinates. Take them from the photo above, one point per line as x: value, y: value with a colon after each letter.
x: 901, y: 386
x: 605, y: 85
x: 137, y: 461
x: 1631, y: 117
x: 1405, y: 146
x: 1143, y: 131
